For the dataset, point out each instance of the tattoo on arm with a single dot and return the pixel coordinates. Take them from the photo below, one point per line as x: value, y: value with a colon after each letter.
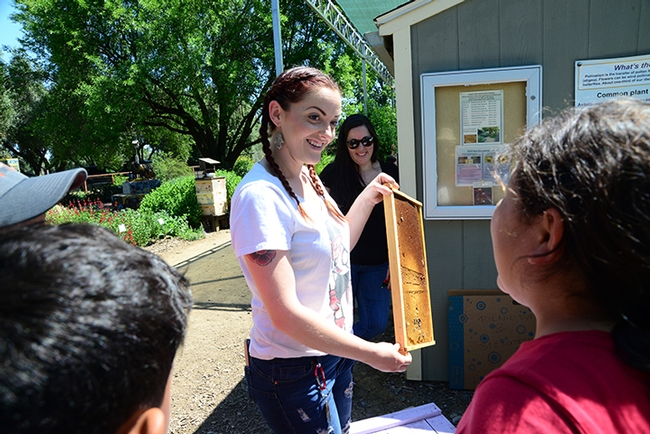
x: 263, y: 257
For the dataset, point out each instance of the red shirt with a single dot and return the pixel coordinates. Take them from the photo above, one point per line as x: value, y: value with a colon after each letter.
x: 568, y: 382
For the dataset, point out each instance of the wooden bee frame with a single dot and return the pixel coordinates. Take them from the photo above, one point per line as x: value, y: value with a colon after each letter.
x: 408, y: 272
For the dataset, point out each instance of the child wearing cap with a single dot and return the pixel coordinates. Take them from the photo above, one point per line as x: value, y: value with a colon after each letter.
x: 25, y: 200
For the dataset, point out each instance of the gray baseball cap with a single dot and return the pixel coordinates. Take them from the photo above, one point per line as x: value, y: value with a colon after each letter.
x: 23, y: 198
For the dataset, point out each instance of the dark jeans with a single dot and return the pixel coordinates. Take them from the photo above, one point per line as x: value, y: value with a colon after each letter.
x: 296, y: 396
x: 373, y: 300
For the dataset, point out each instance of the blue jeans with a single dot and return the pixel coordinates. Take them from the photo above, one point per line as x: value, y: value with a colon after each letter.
x: 373, y: 300
x: 297, y: 396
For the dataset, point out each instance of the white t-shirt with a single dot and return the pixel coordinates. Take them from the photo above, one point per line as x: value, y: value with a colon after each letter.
x: 264, y: 217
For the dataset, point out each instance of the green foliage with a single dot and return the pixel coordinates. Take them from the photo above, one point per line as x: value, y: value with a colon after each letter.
x: 162, y: 141
x: 77, y: 196
x: 345, y: 69
x: 179, y: 76
x: 97, y: 192
x: 118, y: 180
x: 177, y: 197
x: 380, y: 101
x: 167, y: 167
x: 197, y: 68
x: 232, y: 180
x: 325, y: 159
x: 7, y: 111
x: 135, y: 227
x: 22, y: 100
x: 384, y: 119
x: 243, y: 165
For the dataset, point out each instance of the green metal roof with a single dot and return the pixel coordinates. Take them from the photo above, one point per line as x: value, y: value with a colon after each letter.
x: 361, y: 13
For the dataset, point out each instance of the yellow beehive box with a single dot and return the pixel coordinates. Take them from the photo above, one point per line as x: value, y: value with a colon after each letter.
x: 215, y: 210
x: 212, y: 196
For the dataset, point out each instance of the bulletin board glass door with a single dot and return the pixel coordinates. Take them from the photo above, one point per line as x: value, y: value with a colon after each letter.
x: 468, y: 117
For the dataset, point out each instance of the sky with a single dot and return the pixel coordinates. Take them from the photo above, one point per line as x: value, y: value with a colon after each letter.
x: 9, y: 30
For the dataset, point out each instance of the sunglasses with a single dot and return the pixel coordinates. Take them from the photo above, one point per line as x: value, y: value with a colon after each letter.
x: 366, y: 141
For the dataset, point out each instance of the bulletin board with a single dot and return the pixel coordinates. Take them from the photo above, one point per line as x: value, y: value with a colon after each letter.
x: 468, y: 117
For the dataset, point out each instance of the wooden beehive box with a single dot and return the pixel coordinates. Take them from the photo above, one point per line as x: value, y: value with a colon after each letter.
x: 408, y: 271
x: 211, y: 195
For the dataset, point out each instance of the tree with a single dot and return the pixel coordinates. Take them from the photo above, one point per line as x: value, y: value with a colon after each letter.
x: 196, y: 68
x: 381, y: 106
x: 22, y: 100
x: 6, y: 109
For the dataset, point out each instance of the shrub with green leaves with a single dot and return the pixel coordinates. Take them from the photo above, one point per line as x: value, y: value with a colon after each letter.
x: 166, y: 166
x: 133, y: 226
x: 177, y: 197
x: 243, y: 165
x: 79, y: 195
x: 118, y: 180
x: 325, y: 159
x: 101, y: 192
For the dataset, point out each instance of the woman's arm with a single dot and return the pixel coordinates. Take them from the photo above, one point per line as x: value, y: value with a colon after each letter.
x: 365, y: 202
x: 273, y: 274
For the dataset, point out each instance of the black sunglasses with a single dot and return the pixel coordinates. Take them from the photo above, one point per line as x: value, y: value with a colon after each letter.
x: 366, y: 141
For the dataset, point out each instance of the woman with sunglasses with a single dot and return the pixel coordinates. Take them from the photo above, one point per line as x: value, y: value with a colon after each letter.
x: 355, y: 166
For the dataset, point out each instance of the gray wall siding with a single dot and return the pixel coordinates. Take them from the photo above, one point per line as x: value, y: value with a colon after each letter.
x: 644, y: 28
x: 445, y: 265
x: 520, y: 32
x: 561, y: 50
x: 480, y: 41
x: 456, y: 259
x: 613, y: 27
x: 498, y: 33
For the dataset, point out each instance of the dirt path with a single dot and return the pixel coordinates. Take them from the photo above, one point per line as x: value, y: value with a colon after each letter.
x: 209, y: 393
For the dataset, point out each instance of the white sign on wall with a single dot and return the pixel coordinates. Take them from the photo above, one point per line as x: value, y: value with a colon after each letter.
x: 600, y: 80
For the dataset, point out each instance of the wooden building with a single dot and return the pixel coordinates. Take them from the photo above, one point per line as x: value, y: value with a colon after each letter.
x: 443, y: 37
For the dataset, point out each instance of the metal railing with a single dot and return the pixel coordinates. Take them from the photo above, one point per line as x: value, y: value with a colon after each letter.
x: 342, y: 27
x: 100, y: 176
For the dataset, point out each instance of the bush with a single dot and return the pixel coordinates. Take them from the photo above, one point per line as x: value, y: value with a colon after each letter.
x: 171, y: 210
x: 75, y: 196
x: 134, y: 227
x: 178, y: 198
x: 99, y: 192
x: 325, y: 159
x: 243, y: 165
x: 166, y: 166
x: 118, y: 180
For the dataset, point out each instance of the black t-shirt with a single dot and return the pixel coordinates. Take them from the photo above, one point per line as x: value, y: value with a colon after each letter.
x: 372, y: 247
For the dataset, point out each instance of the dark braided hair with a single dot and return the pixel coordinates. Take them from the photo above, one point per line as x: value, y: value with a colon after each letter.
x: 593, y: 166
x: 289, y: 88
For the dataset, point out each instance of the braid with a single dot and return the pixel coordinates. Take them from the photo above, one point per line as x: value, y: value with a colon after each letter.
x: 319, y: 190
x: 276, y: 169
x: 290, y: 87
